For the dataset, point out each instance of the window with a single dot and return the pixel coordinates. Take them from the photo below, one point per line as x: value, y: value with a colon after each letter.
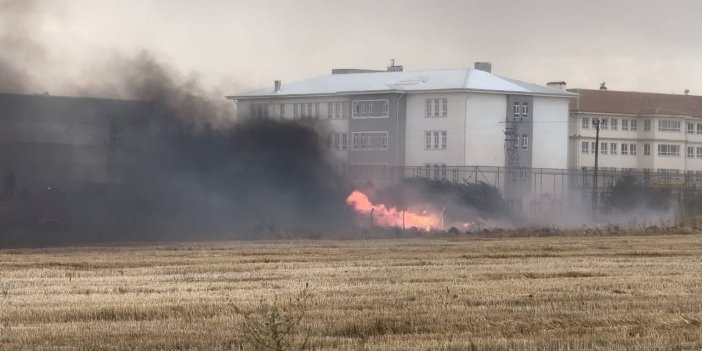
x: 668, y: 126
x: 603, y: 123
x: 337, y: 141
x: 603, y: 148
x: 515, y: 109
x: 436, y: 107
x: 668, y: 150
x: 316, y: 110
x: 633, y: 125
x: 386, y: 108
x: 585, y: 147
x: 525, y: 142
x: 435, y: 170
x: 690, y: 128
x: 615, y: 123
x: 435, y: 140
x: 647, y: 149
x: 344, y: 141
x: 295, y: 111
x: 647, y: 125
x: 625, y: 124
x: 699, y: 128
x: 699, y: 151
x: 344, y: 110
x: 369, y: 140
x: 585, y: 123
x: 613, y: 147
x: 310, y: 114
x: 625, y: 149
x: 632, y: 149
x: 337, y: 108
x: 593, y: 146
x: 525, y: 109
x: 370, y: 109
x: 330, y: 110
x: 691, y: 151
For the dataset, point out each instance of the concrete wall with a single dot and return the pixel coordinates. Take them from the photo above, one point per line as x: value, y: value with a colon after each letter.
x: 550, y: 144
x: 391, y: 121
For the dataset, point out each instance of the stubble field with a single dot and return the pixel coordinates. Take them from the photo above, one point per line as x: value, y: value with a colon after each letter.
x: 555, y: 293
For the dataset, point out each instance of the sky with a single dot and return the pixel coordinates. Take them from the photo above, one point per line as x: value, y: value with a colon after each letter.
x: 240, y: 45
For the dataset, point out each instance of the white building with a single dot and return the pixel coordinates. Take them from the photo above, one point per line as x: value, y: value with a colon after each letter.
x: 646, y: 131
x: 436, y: 119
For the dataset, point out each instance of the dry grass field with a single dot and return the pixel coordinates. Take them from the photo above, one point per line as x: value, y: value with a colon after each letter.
x: 555, y: 293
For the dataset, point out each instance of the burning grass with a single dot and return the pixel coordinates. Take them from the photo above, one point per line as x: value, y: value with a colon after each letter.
x: 539, y: 293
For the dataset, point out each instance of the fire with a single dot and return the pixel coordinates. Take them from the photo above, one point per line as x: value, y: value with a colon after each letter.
x: 391, y: 216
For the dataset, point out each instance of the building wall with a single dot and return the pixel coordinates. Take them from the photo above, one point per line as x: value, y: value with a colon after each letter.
x: 484, y: 130
x: 418, y: 124
x: 388, y: 120
x: 550, y: 140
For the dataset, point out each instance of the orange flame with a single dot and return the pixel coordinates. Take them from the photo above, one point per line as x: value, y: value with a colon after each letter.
x: 391, y: 216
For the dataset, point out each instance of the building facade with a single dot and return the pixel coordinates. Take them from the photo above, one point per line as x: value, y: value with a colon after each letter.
x: 433, y: 120
x: 650, y: 132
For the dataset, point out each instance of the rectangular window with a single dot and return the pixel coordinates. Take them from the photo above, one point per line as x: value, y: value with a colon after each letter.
x: 647, y: 125
x: 625, y: 149
x: 603, y: 123
x: 436, y: 107
x: 337, y: 141
x: 634, y: 124
x: 668, y: 150
x: 444, y: 107
x: 625, y: 124
x: 690, y: 128
x: 428, y: 113
x: 632, y: 149
x: 691, y: 152
x: 435, y: 140
x: 310, y: 114
x: 337, y: 110
x: 316, y: 110
x: 295, y: 111
x: 525, y: 109
x: 613, y: 148
x: 330, y: 110
x: 699, y: 151
x: 585, y: 123
x: 585, y: 147
x: 282, y: 110
x: 603, y: 148
x: 615, y: 124
x: 647, y: 149
x: 370, y: 108
x: 593, y: 146
x: 344, y: 141
x: 369, y: 140
x: 386, y: 108
x: 344, y: 110
x: 515, y: 109
x: 665, y: 125
x: 525, y: 142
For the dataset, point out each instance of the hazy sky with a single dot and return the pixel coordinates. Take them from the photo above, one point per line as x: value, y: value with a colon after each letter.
x: 246, y: 44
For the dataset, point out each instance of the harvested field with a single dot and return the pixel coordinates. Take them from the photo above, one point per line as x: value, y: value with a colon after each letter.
x: 549, y: 293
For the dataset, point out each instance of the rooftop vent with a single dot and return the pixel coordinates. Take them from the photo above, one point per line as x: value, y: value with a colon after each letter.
x: 393, y: 67
x: 557, y: 85
x: 603, y: 86
x: 276, y: 86
x: 483, y: 66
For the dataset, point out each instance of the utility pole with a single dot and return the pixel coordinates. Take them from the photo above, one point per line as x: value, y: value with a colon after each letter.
x: 597, y: 123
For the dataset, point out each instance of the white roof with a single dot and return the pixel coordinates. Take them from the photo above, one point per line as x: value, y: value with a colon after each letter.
x: 407, y: 81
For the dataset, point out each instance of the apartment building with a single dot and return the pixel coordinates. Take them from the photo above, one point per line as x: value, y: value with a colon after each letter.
x: 437, y: 119
x: 651, y: 132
